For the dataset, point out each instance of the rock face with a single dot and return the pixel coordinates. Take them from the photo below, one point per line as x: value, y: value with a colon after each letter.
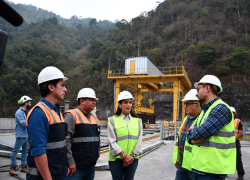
x: 239, y: 99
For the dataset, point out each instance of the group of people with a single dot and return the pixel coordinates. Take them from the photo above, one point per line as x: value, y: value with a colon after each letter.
x: 67, y: 146
x: 208, y: 147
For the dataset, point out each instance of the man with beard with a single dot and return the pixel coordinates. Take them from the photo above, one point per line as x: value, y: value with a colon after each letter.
x: 215, y: 156
x: 21, y: 135
x: 83, y: 138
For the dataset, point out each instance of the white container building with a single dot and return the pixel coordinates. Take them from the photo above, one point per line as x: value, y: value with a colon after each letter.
x: 142, y: 66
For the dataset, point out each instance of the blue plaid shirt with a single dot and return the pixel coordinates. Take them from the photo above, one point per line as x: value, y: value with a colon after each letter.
x: 219, y: 116
x: 184, y: 136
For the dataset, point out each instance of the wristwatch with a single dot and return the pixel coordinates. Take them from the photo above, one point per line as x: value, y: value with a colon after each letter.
x: 133, y: 154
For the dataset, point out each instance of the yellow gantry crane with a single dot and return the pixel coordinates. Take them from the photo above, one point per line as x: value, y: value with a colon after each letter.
x: 141, y: 76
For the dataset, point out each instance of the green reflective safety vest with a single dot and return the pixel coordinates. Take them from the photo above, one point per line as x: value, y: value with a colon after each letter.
x: 187, y: 154
x: 217, y: 154
x: 126, y: 135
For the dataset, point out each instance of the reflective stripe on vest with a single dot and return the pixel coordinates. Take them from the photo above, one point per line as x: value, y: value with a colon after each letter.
x: 52, y: 145
x: 236, y: 127
x: 188, y: 148
x: 187, y: 153
x: 85, y: 139
x: 81, y: 119
x: 217, y: 154
x: 126, y: 134
x: 32, y: 171
x: 52, y: 118
x: 125, y: 137
x: 217, y: 145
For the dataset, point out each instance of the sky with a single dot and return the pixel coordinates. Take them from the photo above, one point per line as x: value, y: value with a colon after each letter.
x: 100, y: 9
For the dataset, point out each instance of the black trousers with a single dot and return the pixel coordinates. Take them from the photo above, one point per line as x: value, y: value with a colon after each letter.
x: 239, y: 165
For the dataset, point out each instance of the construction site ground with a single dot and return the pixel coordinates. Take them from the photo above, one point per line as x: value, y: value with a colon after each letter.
x: 156, y: 164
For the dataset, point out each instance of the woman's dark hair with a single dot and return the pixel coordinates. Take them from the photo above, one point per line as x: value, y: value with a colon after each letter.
x: 119, y: 111
x: 44, y: 90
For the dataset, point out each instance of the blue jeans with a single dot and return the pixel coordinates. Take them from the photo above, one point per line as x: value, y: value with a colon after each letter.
x: 88, y: 174
x: 183, y: 174
x: 118, y: 171
x: 20, y: 142
x: 208, y: 176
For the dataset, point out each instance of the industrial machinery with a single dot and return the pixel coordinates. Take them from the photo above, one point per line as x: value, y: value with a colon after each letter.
x: 142, y: 76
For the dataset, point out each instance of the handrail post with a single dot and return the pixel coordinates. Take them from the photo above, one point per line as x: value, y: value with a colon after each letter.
x: 161, y: 132
x: 244, y: 133
x: 175, y: 132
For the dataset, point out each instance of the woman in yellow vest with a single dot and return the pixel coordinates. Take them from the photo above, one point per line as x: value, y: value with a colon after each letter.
x: 125, y: 139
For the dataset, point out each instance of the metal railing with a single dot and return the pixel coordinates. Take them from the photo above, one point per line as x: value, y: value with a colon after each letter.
x: 170, y: 131
x: 148, y: 71
x: 246, y: 131
x: 174, y: 70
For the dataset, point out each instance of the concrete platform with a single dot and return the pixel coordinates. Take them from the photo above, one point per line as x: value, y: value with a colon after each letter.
x: 156, y: 165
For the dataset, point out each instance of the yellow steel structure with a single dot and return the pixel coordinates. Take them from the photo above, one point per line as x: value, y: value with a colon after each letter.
x: 142, y: 83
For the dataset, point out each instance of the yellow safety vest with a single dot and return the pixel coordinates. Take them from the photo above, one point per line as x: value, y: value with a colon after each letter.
x: 217, y: 154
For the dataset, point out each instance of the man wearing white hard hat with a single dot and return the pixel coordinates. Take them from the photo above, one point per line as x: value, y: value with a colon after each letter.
x: 47, y: 154
x: 21, y: 135
x: 215, y: 156
x: 83, y: 137
x: 238, y: 134
x: 182, y: 156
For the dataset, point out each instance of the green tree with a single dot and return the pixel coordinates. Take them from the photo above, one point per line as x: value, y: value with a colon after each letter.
x: 230, y: 8
x: 223, y: 69
x: 93, y: 22
x: 202, y: 12
x: 155, y: 55
x: 204, y: 52
x: 239, y: 59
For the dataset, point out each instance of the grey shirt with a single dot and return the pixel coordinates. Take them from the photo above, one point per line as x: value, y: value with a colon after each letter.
x: 71, y: 121
x: 115, y: 148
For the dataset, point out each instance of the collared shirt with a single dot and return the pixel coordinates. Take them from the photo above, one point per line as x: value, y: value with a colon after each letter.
x: 219, y: 117
x: 38, y: 128
x: 20, y: 120
x: 115, y: 148
x: 184, y: 134
x: 71, y: 121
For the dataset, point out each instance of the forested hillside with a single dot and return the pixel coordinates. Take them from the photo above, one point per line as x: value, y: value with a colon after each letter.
x: 214, y: 36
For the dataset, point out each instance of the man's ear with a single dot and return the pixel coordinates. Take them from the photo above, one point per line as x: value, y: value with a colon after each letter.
x: 51, y: 87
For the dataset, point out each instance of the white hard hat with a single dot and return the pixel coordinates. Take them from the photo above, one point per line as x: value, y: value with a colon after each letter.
x: 86, y: 93
x: 191, y: 96
x: 210, y: 79
x: 50, y: 73
x: 233, y: 109
x: 24, y: 99
x: 125, y: 95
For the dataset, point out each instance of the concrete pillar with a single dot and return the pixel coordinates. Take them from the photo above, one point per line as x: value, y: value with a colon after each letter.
x: 117, y: 92
x: 66, y: 105
x: 175, y: 99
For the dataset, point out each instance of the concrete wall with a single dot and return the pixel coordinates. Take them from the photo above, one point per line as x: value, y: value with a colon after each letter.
x: 7, y: 125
